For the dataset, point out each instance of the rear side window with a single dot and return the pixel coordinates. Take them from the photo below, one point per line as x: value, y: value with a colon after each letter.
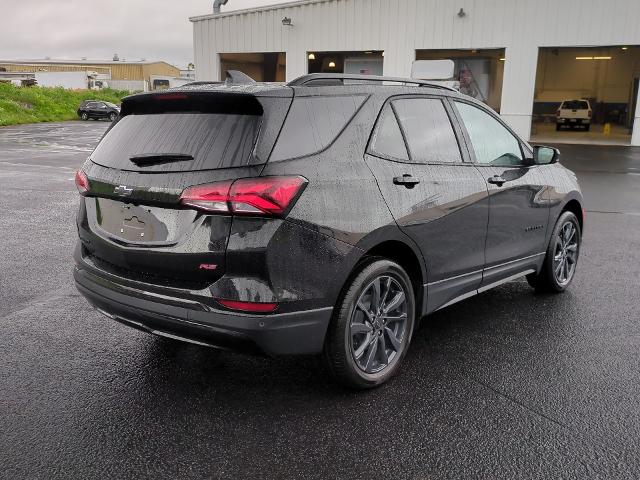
x: 313, y: 123
x: 575, y: 105
x: 428, y: 130
x: 387, y: 138
x: 213, y: 140
x: 492, y: 143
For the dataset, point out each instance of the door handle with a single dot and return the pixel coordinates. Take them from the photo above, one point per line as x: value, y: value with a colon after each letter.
x: 496, y: 180
x: 406, y: 180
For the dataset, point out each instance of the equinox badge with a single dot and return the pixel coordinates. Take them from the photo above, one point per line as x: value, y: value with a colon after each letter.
x: 123, y: 190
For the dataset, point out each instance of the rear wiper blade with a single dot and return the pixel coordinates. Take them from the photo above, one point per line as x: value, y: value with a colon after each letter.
x: 155, y: 158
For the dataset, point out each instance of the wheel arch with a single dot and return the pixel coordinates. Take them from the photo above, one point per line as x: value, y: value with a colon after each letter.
x: 575, y: 207
x: 405, y: 254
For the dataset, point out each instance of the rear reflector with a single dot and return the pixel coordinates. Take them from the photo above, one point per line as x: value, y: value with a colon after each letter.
x: 248, y: 306
x: 82, y: 182
x: 270, y: 196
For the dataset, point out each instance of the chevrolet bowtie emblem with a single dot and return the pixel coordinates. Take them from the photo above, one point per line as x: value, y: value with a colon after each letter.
x: 123, y: 190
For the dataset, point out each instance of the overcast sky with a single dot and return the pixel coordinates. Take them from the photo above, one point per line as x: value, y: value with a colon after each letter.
x: 97, y: 29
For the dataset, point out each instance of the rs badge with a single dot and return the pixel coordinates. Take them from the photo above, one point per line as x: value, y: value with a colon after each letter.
x: 123, y: 190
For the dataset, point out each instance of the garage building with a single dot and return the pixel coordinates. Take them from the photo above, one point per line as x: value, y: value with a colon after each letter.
x: 522, y: 58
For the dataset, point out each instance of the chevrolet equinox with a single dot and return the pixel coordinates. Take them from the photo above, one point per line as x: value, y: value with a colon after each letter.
x: 324, y: 216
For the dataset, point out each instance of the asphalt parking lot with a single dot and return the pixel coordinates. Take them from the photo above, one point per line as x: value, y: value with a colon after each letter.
x: 508, y: 384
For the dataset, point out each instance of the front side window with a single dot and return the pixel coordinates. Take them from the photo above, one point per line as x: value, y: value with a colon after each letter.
x: 428, y: 130
x: 492, y: 143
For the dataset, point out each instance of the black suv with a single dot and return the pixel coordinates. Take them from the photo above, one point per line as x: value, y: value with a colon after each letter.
x: 98, y: 109
x: 326, y: 216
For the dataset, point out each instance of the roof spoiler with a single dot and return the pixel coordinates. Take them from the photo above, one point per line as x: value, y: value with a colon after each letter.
x: 177, y: 101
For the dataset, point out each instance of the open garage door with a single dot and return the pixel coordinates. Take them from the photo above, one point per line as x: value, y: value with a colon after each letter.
x: 262, y: 67
x: 585, y: 95
x: 479, y: 71
x: 360, y: 63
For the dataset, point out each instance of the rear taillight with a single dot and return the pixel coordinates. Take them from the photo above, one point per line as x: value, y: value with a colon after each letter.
x: 270, y: 195
x: 248, y: 306
x: 82, y: 182
x: 557, y: 113
x: 246, y: 196
x: 589, y: 113
x: 213, y: 197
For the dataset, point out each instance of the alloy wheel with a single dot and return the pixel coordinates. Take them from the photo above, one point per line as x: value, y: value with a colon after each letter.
x: 378, y: 323
x: 565, y: 254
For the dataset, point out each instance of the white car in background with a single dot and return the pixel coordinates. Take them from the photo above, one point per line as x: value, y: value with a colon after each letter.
x: 574, y: 113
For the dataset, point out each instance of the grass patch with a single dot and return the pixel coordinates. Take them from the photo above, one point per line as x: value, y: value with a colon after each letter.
x: 43, y: 104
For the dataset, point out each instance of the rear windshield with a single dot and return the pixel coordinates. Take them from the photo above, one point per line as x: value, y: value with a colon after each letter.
x: 213, y: 140
x: 575, y: 105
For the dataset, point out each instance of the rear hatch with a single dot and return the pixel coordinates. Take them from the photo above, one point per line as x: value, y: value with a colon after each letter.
x: 132, y: 222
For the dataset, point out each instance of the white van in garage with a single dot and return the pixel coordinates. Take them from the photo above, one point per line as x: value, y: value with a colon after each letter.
x: 574, y: 113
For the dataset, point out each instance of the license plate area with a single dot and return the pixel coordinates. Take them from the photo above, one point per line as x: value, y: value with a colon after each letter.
x: 139, y: 224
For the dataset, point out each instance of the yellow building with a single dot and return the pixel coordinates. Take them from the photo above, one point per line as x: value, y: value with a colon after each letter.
x: 117, y: 72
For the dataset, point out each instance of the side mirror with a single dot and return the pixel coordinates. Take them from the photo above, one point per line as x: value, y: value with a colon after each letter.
x: 543, y: 155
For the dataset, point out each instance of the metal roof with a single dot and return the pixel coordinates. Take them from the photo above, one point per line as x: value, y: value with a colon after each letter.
x: 50, y: 61
x: 276, y: 6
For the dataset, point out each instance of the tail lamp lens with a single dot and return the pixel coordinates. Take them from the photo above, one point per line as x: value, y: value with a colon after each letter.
x: 590, y: 113
x: 557, y: 113
x: 270, y: 195
x: 246, y: 196
x: 213, y: 197
x: 248, y: 306
x: 82, y: 182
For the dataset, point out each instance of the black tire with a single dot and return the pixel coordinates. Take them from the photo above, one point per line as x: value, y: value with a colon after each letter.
x: 558, y: 126
x: 113, y: 116
x: 547, y: 280
x: 587, y: 128
x: 84, y: 116
x: 342, y: 344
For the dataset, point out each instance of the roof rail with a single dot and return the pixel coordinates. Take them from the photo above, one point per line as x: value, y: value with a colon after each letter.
x: 326, y: 79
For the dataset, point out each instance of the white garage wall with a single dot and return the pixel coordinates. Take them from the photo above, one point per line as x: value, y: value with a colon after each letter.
x: 399, y: 27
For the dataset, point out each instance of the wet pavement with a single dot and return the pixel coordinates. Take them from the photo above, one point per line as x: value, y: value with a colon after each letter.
x: 508, y: 384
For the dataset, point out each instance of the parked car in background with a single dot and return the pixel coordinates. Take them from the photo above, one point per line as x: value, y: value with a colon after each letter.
x: 97, y: 109
x: 574, y: 113
x: 317, y: 217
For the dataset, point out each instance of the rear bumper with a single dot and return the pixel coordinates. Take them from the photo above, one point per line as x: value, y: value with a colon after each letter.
x: 276, y: 334
x: 573, y: 121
